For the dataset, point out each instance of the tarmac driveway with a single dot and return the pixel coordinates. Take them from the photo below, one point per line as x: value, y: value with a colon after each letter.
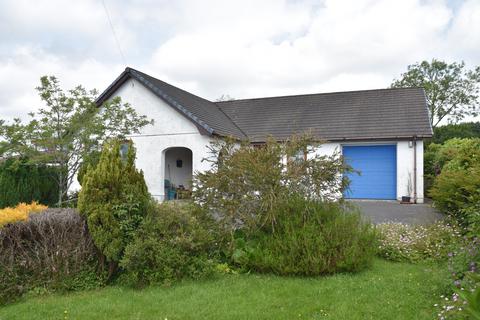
x: 393, y: 211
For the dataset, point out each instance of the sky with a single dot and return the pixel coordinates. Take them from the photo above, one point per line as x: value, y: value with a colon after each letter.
x: 245, y: 48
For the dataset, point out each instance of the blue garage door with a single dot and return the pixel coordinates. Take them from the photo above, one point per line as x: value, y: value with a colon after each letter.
x: 378, y: 171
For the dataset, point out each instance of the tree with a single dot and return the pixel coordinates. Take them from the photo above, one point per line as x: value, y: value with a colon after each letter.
x: 224, y: 97
x: 459, y: 130
x: 452, y: 92
x: 114, y: 199
x: 67, y: 130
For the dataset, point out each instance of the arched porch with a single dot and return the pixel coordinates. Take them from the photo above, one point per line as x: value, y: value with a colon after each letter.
x: 177, y: 173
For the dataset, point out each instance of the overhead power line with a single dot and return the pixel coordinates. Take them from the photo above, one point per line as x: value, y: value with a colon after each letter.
x: 114, y: 33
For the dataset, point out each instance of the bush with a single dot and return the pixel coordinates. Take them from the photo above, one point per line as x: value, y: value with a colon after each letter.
x: 456, y: 192
x: 453, y: 154
x: 114, y: 199
x: 20, y: 213
x: 246, y: 181
x: 51, y: 250
x: 464, y: 282
x: 309, y: 238
x: 414, y: 243
x: 21, y: 181
x: 456, y: 187
x: 174, y: 242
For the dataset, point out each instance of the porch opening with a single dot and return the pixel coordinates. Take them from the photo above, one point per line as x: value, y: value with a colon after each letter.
x: 178, y: 173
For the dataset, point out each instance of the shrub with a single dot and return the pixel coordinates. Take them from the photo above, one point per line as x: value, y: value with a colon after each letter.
x: 454, y: 154
x: 309, y: 238
x: 51, y: 250
x: 413, y: 243
x: 19, y: 213
x: 464, y: 283
x: 456, y: 192
x: 456, y: 188
x: 21, y: 181
x: 114, y: 199
x: 246, y: 181
x: 174, y: 242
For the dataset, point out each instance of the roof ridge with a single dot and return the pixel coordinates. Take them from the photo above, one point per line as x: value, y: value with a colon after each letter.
x: 319, y: 93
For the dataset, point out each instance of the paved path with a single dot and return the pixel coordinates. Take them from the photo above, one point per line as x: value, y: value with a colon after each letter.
x: 393, y: 211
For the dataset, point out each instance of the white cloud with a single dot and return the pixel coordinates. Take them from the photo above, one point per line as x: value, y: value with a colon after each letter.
x: 245, y: 55
x: 20, y: 75
x: 244, y: 48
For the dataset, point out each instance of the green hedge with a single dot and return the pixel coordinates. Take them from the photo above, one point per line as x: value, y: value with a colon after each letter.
x: 21, y: 181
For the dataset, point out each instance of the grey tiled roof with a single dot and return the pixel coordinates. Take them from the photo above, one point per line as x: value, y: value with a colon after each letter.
x: 354, y: 115
x: 203, y: 113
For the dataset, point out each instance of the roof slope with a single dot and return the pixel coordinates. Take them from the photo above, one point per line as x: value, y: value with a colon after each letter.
x: 205, y: 114
x: 354, y: 115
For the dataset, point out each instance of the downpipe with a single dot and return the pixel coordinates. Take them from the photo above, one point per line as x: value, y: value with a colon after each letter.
x: 415, y: 169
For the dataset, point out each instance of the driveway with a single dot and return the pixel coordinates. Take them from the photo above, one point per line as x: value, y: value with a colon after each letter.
x: 393, y: 211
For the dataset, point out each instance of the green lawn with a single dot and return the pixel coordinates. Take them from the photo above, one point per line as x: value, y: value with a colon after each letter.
x: 387, y: 291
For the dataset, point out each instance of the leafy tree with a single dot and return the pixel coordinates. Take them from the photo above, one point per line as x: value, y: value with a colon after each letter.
x: 225, y: 97
x: 458, y: 130
x: 452, y: 92
x: 114, y: 198
x: 67, y: 129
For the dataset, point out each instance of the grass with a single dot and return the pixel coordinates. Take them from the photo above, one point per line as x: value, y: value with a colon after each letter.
x: 386, y: 291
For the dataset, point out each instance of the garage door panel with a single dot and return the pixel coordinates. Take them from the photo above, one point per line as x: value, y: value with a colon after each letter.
x: 377, y: 165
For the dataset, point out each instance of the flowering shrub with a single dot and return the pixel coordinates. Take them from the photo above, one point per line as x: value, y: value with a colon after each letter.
x: 402, y: 242
x: 19, y: 213
x: 464, y: 297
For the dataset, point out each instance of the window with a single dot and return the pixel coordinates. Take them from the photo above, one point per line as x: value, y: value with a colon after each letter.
x: 124, y: 150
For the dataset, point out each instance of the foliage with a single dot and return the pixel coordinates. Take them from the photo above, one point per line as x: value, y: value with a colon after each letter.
x: 464, y: 283
x: 224, y: 97
x: 457, y: 130
x: 309, y: 238
x: 174, y: 242
x: 246, y: 181
x: 387, y: 291
x: 51, y: 250
x: 451, y: 91
x: 19, y: 213
x: 90, y: 161
x: 21, y: 181
x: 68, y: 128
x: 454, y: 168
x: 415, y: 243
x: 452, y: 154
x: 114, y: 199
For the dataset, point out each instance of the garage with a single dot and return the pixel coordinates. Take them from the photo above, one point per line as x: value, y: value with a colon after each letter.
x: 377, y: 165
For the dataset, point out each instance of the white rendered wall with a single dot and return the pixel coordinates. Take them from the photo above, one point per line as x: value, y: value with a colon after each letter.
x: 405, y: 166
x: 405, y: 169
x: 171, y: 129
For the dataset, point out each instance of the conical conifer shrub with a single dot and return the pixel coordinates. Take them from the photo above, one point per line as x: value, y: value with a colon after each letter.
x: 114, y: 199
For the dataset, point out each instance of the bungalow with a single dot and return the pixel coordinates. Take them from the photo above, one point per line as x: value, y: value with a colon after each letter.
x: 380, y: 132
